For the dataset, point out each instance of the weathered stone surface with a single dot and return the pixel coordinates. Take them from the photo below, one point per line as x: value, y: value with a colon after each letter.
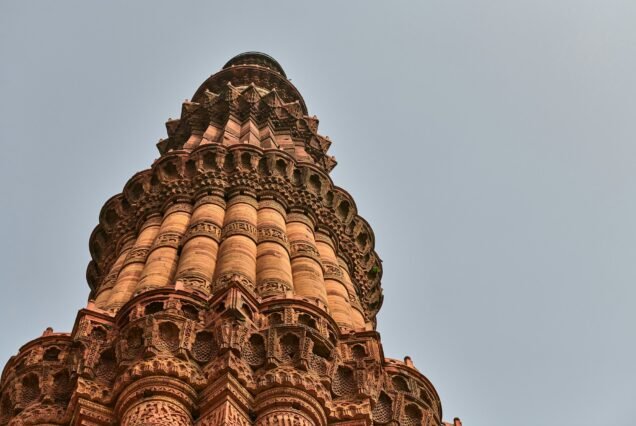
x: 231, y: 284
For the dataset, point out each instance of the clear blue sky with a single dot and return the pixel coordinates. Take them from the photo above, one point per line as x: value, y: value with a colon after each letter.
x: 490, y: 145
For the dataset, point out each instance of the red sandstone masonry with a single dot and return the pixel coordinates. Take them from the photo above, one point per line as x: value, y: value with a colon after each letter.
x: 233, y: 284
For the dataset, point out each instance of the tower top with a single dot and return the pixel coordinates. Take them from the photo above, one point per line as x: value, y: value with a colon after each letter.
x: 252, y: 68
x: 255, y: 58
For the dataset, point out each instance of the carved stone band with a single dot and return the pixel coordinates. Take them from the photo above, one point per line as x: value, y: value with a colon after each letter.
x: 273, y: 234
x: 233, y: 278
x: 305, y: 249
x: 109, y: 281
x: 273, y: 287
x: 333, y: 271
x: 178, y: 207
x: 204, y: 229
x: 167, y: 239
x: 240, y: 227
x: 137, y: 255
x: 210, y: 199
x: 247, y: 199
x: 194, y: 279
x: 274, y: 205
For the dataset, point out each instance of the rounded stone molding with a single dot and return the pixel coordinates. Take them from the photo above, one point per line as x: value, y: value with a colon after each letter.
x: 231, y: 282
x: 154, y: 398
x: 277, y: 406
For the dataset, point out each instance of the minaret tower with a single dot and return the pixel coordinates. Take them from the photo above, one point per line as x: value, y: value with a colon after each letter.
x: 232, y: 283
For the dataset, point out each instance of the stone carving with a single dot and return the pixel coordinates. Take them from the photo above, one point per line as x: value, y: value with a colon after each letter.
x: 237, y: 322
x: 383, y: 410
x: 240, y: 227
x: 305, y: 249
x: 344, y: 384
x: 274, y: 234
x: 204, y: 347
x: 156, y: 413
x: 226, y: 415
x: 289, y: 347
x: 106, y: 368
x: 230, y: 278
x: 412, y: 416
x: 254, y: 351
x: 205, y: 229
x: 273, y: 287
x: 284, y: 418
x: 137, y: 255
x: 30, y: 389
x: 168, y: 339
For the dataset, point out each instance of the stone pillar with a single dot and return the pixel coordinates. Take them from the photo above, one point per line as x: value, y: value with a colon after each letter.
x: 357, y: 315
x: 273, y: 266
x: 305, y: 259
x: 201, y: 245
x: 106, y: 287
x: 161, y: 264
x: 279, y: 416
x: 284, y: 406
x: 156, y: 401
x: 133, y: 264
x: 337, y: 295
x: 237, y: 253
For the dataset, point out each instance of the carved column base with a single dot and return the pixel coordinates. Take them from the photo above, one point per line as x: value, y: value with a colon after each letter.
x: 158, y: 411
x: 156, y: 401
x: 283, y: 406
x: 284, y: 417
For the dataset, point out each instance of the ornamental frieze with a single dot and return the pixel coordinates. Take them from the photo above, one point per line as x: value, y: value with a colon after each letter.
x: 231, y: 282
x: 205, y: 229
x: 240, y: 227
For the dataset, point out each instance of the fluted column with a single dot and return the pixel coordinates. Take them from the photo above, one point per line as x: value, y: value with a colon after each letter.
x: 133, y: 264
x: 357, y: 316
x: 237, y: 253
x: 285, y: 406
x: 106, y: 287
x: 156, y: 401
x: 201, y: 246
x: 273, y: 266
x: 284, y: 417
x: 305, y: 259
x: 162, y: 260
x: 337, y: 295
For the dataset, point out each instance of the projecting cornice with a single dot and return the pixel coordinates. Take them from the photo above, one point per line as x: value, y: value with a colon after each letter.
x: 251, y: 115
x: 185, y: 176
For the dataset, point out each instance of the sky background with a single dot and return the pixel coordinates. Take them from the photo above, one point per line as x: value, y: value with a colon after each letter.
x: 490, y: 145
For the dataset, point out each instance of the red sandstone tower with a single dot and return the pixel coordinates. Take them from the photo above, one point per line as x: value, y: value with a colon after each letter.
x: 232, y: 283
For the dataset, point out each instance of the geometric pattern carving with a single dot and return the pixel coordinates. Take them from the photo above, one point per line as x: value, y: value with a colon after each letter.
x: 106, y: 368
x: 204, y: 347
x: 284, y: 418
x: 318, y: 363
x: 383, y: 410
x: 30, y: 389
x: 412, y: 416
x: 134, y: 343
x: 62, y: 387
x: 168, y: 337
x: 232, y: 283
x: 157, y: 413
x: 254, y: 351
x: 400, y: 384
x: 289, y: 347
x: 358, y: 352
x: 344, y: 383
